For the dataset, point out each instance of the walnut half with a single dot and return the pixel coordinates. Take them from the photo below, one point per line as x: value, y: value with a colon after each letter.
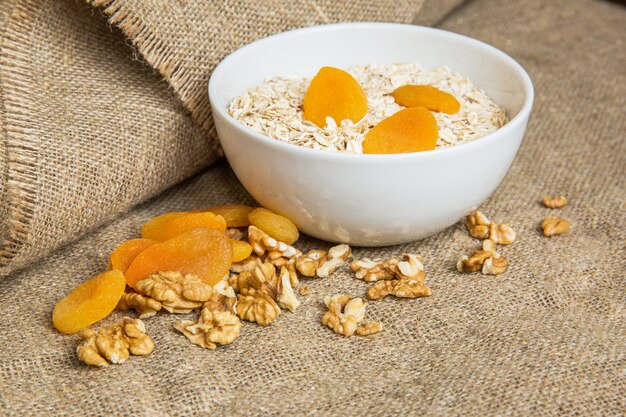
x: 322, y: 263
x: 344, y: 313
x: 479, y: 226
x: 407, y: 280
x: 486, y: 260
x: 176, y: 292
x: 114, y: 344
x: 553, y: 226
x: 555, y: 202
x: 218, y: 324
x: 372, y: 271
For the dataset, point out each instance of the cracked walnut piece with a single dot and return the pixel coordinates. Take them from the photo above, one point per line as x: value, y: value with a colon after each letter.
x: 322, y: 263
x: 344, y: 315
x: 262, y: 291
x: 177, y: 293
x: 144, y: 306
x: 371, y: 271
x: 486, y: 260
x: 290, y: 265
x: 553, y: 226
x: 366, y: 329
x: 479, y: 226
x: 257, y: 307
x: 555, y: 202
x: 217, y: 324
x: 114, y: 344
x: 246, y: 265
x: 262, y: 242
x: 473, y: 263
x: 408, y: 280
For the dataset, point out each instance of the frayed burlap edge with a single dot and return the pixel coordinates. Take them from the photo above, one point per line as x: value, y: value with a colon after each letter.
x: 21, y: 146
x: 4, y: 15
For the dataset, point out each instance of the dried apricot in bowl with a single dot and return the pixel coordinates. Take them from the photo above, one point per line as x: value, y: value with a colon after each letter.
x: 413, y: 129
x: 88, y: 303
x: 412, y: 95
x: 241, y: 250
x: 235, y: 215
x: 275, y: 225
x: 171, y: 225
x: 124, y: 254
x: 334, y: 93
x: 204, y: 252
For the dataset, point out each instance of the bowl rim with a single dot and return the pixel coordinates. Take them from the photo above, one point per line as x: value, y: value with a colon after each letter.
x: 520, y: 118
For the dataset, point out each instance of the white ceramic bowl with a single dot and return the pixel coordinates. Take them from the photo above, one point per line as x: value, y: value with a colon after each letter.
x: 370, y: 200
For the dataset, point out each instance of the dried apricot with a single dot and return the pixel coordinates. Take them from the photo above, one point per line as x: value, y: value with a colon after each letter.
x: 204, y: 252
x: 241, y: 250
x: 275, y: 225
x: 124, y: 254
x: 334, y: 93
x: 91, y: 301
x: 170, y: 225
x: 432, y: 98
x: 235, y: 215
x: 413, y: 129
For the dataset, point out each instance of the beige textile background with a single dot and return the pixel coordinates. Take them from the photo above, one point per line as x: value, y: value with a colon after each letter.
x: 547, y: 338
x: 88, y: 127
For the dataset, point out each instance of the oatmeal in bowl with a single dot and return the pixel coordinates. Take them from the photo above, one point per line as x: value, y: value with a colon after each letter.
x: 275, y: 109
x: 370, y: 134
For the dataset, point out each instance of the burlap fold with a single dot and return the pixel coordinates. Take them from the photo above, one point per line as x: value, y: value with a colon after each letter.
x: 184, y: 41
x: 87, y: 130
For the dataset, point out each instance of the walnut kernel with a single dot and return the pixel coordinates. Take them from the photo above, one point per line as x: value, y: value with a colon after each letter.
x: 555, y: 202
x: 114, y: 344
x: 478, y: 225
x: 144, y: 306
x: 257, y: 307
x: 344, y: 313
x: 553, y: 226
x: 501, y: 233
x: 371, y: 271
x: 262, y: 242
x: 369, y: 328
x: 176, y: 292
x: 217, y: 324
x: 407, y: 279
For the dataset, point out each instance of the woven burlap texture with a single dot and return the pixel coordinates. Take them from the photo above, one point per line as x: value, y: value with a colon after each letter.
x: 87, y: 130
x: 184, y: 41
x: 547, y: 338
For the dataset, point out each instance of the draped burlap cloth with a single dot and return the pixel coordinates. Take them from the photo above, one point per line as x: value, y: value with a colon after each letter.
x: 88, y: 130
x: 547, y: 338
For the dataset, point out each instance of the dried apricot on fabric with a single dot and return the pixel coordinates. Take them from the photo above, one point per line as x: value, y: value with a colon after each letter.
x: 275, y: 225
x: 171, y: 225
x: 88, y: 303
x: 241, y: 250
x: 334, y: 93
x: 432, y: 98
x: 235, y: 215
x: 204, y: 252
x: 413, y: 129
x: 124, y: 254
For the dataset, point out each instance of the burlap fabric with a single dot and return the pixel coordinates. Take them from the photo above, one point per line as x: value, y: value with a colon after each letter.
x: 89, y: 129
x: 546, y: 338
x: 185, y: 41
